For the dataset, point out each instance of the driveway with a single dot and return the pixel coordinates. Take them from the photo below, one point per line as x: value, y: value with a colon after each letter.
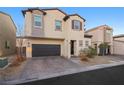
x: 49, y: 67
x: 43, y: 66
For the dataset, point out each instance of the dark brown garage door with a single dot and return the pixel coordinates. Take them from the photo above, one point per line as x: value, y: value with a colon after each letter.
x: 45, y: 50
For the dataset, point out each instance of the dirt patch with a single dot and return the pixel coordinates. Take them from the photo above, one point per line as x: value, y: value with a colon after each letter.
x: 93, y: 61
x: 97, y: 60
x: 11, y: 72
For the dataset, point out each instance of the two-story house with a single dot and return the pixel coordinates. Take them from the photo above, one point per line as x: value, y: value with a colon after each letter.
x: 102, y: 34
x: 7, y: 35
x: 52, y: 32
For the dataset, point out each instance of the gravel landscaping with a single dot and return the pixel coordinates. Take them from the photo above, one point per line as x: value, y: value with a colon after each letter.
x: 97, y: 60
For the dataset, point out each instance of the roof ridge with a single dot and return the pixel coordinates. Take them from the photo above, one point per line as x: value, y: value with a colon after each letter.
x: 96, y: 27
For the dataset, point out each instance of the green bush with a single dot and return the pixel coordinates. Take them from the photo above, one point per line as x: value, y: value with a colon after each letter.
x: 92, y: 52
x: 89, y: 52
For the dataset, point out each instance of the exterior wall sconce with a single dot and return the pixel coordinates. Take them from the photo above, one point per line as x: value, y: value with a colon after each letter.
x: 28, y: 44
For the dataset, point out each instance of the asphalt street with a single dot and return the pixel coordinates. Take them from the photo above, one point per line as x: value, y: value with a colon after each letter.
x: 106, y: 76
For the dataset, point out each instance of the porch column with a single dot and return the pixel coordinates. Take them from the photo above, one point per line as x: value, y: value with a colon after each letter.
x: 67, y: 49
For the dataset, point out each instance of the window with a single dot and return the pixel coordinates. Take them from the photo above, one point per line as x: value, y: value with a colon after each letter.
x: 80, y: 43
x: 58, y: 25
x: 7, y: 44
x: 37, y: 20
x: 77, y: 25
x: 108, y: 32
x: 86, y: 43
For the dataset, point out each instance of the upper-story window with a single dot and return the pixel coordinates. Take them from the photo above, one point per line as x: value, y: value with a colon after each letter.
x: 37, y: 20
x: 58, y: 25
x: 76, y: 25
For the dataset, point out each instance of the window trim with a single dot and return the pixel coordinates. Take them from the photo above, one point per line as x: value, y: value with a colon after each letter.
x: 80, y: 43
x: 80, y: 29
x: 34, y: 20
x: 86, y: 43
x: 55, y: 25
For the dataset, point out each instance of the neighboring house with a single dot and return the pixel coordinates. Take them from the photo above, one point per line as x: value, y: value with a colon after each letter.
x: 102, y: 34
x: 118, y: 42
x: 51, y: 32
x: 87, y: 41
x: 7, y: 35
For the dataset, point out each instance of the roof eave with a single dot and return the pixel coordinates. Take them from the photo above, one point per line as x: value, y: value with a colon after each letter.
x: 31, y: 9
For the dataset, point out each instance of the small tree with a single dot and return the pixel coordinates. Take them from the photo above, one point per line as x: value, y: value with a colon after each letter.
x: 20, y: 41
x: 103, y: 46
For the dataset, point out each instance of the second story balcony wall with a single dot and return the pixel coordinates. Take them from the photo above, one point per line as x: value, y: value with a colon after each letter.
x: 34, y: 23
x: 75, y: 27
x: 54, y: 24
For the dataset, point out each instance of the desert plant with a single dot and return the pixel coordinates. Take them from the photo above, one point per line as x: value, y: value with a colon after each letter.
x: 83, y: 56
x: 89, y: 52
x: 17, y: 60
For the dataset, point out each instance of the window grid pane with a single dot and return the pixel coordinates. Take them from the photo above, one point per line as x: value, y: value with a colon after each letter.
x: 37, y: 20
x: 58, y: 24
x: 80, y: 43
x: 87, y: 43
x: 76, y: 24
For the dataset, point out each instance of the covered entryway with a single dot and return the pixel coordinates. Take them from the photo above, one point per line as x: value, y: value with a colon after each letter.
x: 73, y: 47
x: 39, y: 50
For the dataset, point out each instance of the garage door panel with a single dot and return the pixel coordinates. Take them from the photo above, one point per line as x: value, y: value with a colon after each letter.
x: 45, y: 50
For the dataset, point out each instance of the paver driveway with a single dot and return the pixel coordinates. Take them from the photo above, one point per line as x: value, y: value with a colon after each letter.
x: 43, y: 66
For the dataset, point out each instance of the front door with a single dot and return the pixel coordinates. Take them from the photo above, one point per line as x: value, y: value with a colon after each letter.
x: 109, y: 50
x: 72, y: 47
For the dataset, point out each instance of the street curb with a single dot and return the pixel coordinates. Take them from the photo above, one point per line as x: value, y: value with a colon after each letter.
x: 68, y: 72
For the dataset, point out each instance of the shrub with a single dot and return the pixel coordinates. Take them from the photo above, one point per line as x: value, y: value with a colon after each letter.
x: 89, y: 52
x: 18, y: 60
x: 83, y: 57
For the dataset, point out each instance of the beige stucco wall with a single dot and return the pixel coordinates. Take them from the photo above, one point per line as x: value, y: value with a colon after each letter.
x: 49, y: 24
x: 84, y: 41
x: 118, y: 44
x: 28, y: 23
x: 98, y: 35
x: 118, y: 48
x: 119, y: 38
x: 71, y: 34
x: 7, y: 33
